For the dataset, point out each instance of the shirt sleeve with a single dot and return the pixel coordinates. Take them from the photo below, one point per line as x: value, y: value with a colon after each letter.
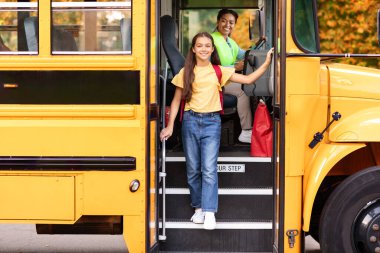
x: 226, y: 74
x: 178, y: 79
x: 241, y: 54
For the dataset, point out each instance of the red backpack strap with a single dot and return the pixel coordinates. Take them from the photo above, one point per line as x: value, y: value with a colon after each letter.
x: 218, y: 73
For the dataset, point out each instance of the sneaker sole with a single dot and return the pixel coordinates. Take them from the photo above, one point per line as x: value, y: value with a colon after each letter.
x: 197, y: 222
x: 209, y: 228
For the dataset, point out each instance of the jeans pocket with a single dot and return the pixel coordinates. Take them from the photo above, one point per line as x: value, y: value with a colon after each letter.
x: 216, y: 118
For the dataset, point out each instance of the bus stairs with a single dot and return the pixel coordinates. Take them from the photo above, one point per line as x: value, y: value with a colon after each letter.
x: 244, y: 218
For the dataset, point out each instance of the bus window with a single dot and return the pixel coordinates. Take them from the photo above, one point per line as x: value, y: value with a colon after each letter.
x: 96, y: 27
x: 18, y: 27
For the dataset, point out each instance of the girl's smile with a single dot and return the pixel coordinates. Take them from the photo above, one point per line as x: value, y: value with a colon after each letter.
x: 203, y: 49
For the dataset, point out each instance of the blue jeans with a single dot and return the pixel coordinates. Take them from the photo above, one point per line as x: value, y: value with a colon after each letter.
x: 201, y: 141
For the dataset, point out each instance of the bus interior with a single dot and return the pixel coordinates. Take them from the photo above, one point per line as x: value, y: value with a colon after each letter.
x: 246, y: 183
x: 181, y: 20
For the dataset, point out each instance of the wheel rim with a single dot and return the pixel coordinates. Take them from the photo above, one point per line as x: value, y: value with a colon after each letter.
x: 365, y: 231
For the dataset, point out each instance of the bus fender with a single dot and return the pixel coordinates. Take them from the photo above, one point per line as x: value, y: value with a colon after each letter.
x: 325, y: 157
x: 362, y: 126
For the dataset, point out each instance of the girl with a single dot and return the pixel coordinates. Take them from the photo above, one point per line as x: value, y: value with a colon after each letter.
x: 198, y: 84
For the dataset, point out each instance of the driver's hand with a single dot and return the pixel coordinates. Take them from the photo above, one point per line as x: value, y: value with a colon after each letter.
x: 239, y: 65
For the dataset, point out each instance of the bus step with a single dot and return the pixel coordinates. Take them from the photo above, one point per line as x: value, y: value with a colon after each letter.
x: 231, y: 173
x: 231, y: 236
x: 233, y: 204
x: 220, y: 224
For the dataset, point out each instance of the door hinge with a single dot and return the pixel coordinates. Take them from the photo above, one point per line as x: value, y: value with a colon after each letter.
x: 292, y: 233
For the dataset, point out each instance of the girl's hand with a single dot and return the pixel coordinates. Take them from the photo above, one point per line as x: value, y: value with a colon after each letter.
x: 166, y: 133
x: 269, y: 55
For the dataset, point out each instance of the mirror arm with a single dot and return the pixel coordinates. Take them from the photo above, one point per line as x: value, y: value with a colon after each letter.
x: 260, y: 42
x: 250, y: 30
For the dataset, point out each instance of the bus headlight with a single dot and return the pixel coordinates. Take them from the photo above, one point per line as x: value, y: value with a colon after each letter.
x: 134, y: 185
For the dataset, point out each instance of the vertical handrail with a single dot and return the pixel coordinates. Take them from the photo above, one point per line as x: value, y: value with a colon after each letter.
x: 163, y: 155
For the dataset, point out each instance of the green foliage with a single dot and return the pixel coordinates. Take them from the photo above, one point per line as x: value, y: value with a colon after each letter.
x: 349, y: 26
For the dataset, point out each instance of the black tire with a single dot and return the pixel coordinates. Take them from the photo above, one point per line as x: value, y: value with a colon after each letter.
x: 327, y: 187
x: 340, y: 214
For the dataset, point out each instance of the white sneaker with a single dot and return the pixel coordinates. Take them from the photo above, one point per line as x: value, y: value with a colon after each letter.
x: 210, y: 222
x: 198, y: 217
x: 245, y: 136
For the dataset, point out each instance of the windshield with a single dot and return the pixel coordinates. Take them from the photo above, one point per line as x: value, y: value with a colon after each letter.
x: 305, y: 25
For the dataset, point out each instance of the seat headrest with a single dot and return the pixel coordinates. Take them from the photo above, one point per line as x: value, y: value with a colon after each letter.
x: 31, y: 33
x: 169, y: 43
x: 126, y: 33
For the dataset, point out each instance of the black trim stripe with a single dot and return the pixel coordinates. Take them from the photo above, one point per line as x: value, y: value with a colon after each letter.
x: 51, y: 163
x: 70, y: 87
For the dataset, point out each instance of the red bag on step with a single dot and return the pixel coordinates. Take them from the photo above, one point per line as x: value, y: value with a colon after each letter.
x: 262, y: 132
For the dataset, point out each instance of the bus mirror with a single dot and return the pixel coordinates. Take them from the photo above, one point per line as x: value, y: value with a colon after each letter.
x: 378, y: 26
x: 261, y: 19
x: 256, y: 25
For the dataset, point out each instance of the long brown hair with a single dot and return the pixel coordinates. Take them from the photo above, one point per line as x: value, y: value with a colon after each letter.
x: 191, y: 61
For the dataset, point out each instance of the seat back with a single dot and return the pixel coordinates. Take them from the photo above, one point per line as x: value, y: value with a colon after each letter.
x: 126, y: 33
x: 31, y: 33
x: 63, y: 40
x: 264, y: 86
x: 169, y: 44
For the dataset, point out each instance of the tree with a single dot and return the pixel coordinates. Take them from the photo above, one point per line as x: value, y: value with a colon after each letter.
x: 349, y: 26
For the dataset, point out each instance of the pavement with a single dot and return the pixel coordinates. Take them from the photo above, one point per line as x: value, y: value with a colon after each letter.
x: 21, y: 238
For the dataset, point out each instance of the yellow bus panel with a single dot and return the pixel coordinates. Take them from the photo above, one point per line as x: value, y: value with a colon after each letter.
x: 41, y: 197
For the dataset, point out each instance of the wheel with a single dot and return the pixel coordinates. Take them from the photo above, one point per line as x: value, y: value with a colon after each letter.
x: 327, y: 187
x: 350, y: 220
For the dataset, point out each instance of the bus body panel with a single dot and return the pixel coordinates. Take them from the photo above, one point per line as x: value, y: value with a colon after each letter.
x: 356, y: 125
x: 71, y: 137
x: 354, y: 81
x: 306, y: 107
x: 27, y: 198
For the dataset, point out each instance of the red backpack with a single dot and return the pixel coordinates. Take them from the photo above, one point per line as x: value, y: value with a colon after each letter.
x: 218, y: 73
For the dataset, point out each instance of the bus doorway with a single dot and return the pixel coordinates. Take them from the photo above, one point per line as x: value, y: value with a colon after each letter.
x: 245, y: 217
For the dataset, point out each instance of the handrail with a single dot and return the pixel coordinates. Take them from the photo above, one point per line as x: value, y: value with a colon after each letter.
x: 162, y: 174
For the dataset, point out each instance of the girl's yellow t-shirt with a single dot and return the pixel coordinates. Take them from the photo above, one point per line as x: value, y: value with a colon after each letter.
x: 206, y: 87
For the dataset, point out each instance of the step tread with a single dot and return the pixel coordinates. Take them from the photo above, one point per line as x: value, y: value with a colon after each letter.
x: 225, y: 191
x: 232, y: 159
x: 212, y: 251
x: 225, y: 220
x: 220, y: 224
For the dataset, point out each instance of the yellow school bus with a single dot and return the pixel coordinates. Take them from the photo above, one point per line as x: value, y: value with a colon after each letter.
x: 83, y: 91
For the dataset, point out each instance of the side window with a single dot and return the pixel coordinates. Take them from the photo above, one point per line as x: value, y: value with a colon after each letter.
x: 18, y: 27
x: 96, y: 27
